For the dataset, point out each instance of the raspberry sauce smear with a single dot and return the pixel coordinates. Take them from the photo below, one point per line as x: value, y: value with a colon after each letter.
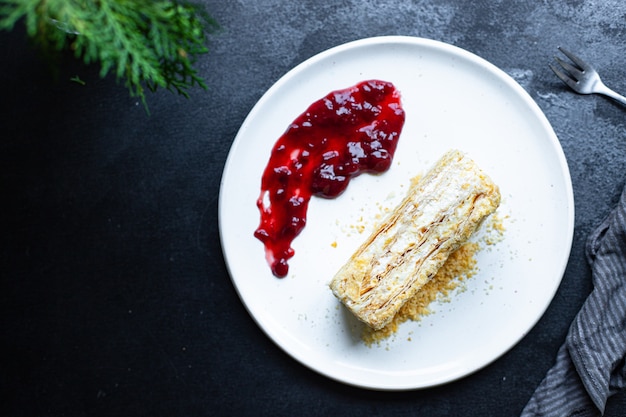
x: 338, y: 137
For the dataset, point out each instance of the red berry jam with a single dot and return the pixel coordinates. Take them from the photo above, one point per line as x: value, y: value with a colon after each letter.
x: 346, y: 133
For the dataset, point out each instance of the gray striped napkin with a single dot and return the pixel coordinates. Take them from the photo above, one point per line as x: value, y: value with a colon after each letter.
x: 590, y: 366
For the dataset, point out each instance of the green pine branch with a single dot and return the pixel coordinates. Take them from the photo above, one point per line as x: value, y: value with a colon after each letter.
x: 146, y: 43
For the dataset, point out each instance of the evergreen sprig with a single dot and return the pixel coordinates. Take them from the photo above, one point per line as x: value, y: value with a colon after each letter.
x: 151, y: 43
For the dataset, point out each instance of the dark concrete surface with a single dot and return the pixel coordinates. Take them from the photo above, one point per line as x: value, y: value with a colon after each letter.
x: 115, y: 296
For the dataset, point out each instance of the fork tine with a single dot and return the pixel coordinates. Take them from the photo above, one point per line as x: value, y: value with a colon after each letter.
x: 574, y: 71
x: 564, y: 77
x: 581, y: 64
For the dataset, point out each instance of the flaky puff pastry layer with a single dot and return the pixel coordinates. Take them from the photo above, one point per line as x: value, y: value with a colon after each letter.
x: 440, y: 213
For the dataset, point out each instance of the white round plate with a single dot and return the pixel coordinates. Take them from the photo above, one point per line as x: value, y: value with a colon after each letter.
x: 452, y: 99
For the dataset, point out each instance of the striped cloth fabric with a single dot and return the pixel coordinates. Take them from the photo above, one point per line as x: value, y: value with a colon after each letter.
x: 590, y: 366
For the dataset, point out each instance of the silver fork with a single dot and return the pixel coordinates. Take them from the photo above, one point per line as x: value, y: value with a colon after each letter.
x: 582, y: 77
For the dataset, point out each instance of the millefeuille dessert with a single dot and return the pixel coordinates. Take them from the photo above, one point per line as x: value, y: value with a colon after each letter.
x: 440, y: 213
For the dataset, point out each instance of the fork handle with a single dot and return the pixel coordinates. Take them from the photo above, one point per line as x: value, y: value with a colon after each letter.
x: 602, y: 89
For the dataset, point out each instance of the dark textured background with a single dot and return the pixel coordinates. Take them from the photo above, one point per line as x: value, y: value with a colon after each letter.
x: 115, y: 299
